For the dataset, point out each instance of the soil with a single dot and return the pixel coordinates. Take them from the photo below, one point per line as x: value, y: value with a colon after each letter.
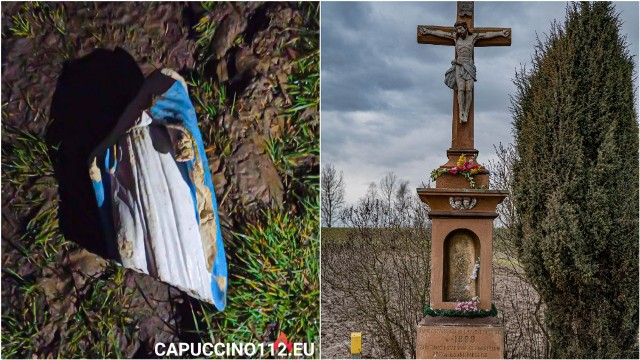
x: 336, y: 331
x: 515, y: 299
x: 157, y: 35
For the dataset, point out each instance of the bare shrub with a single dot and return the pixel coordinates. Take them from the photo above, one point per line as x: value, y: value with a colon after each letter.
x: 379, y: 269
x: 332, y: 193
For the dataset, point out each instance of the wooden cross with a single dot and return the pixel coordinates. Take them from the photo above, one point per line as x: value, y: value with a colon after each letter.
x: 462, y: 132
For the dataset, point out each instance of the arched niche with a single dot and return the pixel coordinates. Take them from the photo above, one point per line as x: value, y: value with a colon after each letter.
x: 461, y: 254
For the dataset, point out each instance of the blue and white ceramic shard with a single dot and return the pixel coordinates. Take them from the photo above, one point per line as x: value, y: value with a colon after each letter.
x: 155, y: 194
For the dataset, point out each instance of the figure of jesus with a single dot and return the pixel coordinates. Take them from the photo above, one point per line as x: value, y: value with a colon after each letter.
x: 462, y: 73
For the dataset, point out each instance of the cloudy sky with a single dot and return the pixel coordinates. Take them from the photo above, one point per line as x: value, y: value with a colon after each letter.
x: 384, y: 105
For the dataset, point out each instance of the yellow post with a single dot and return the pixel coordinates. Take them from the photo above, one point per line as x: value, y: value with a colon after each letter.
x: 356, y: 344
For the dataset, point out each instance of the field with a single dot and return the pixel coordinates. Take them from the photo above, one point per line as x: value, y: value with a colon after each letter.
x: 253, y: 75
x: 346, y: 308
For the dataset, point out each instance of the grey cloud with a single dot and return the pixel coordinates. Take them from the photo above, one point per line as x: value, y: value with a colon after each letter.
x: 384, y: 104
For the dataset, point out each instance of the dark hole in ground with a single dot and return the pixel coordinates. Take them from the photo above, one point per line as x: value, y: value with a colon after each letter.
x: 185, y: 313
x: 188, y: 74
x: 192, y: 13
x: 90, y: 95
x: 238, y: 81
x: 143, y: 353
x: 258, y: 22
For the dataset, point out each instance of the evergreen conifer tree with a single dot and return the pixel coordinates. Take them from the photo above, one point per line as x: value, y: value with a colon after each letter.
x: 575, y: 184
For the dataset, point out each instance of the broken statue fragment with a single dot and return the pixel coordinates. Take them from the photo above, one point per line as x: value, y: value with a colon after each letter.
x: 155, y: 199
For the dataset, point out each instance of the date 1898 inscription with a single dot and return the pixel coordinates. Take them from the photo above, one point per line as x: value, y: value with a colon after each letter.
x: 451, y: 342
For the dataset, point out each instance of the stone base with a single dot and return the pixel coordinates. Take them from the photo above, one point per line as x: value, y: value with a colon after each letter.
x: 442, y: 337
x: 454, y: 154
x: 450, y: 181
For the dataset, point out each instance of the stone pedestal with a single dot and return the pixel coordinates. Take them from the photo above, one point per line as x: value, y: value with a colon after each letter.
x: 461, y: 237
x: 461, y: 221
x: 442, y: 337
x: 461, y: 268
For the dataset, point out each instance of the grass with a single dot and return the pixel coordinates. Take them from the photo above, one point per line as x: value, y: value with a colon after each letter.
x: 273, y: 259
x: 274, y: 279
x: 35, y: 16
x: 20, y: 327
x: 391, y: 238
x: 94, y: 329
x: 274, y: 263
x: 210, y: 100
x: 22, y: 27
x: 102, y: 314
x: 30, y: 327
x: 102, y: 319
x: 25, y: 158
x: 336, y: 234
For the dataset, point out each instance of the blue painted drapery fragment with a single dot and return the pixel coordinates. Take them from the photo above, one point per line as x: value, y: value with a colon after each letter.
x: 154, y: 190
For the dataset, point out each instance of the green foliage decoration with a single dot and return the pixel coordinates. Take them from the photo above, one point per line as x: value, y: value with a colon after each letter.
x: 457, y: 313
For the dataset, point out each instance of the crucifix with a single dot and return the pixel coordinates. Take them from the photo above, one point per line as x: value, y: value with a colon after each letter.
x: 462, y: 74
x: 461, y: 212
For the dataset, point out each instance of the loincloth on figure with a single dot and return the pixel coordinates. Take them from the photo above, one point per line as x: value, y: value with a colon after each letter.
x: 466, y: 70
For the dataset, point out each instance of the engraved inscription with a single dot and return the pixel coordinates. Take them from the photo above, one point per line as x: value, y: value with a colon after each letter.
x: 448, y: 342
